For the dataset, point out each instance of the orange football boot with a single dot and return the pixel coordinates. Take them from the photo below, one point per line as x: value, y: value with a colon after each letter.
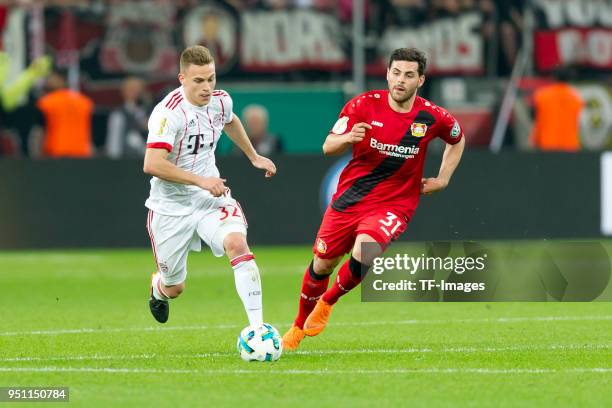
x: 291, y: 339
x: 317, y: 320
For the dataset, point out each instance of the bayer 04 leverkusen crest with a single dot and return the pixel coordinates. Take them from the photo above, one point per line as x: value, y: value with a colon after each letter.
x: 418, y: 129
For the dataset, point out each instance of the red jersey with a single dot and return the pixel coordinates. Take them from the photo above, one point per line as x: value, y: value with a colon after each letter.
x: 387, y: 165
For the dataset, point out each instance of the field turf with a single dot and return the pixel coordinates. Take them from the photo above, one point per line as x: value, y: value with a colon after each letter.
x: 80, y: 319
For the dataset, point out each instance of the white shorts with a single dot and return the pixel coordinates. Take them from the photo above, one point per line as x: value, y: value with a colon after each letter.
x: 172, y: 237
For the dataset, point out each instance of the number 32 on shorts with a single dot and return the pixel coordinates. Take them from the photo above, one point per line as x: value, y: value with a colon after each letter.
x: 390, y: 224
x: 231, y: 211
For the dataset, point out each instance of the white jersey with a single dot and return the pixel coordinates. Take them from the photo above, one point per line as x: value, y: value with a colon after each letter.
x: 190, y: 133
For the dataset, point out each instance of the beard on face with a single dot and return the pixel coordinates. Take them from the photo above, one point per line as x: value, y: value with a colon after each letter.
x: 409, y: 94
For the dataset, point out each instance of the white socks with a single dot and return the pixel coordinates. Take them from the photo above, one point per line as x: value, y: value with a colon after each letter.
x: 157, y: 289
x: 248, y: 286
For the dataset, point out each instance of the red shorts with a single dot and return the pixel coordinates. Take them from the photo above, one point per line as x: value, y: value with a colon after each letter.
x: 339, y: 230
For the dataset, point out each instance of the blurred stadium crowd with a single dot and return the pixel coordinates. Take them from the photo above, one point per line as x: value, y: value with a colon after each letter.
x: 79, y: 77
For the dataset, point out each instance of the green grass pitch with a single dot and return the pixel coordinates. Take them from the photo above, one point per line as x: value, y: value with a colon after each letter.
x: 80, y: 319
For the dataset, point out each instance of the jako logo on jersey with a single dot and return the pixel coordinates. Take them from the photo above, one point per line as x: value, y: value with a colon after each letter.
x: 406, y: 152
x: 340, y: 126
x: 376, y: 123
x: 321, y: 246
x: 418, y: 129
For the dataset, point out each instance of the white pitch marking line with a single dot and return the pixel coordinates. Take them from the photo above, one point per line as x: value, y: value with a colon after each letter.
x: 343, y: 324
x: 462, y: 349
x: 493, y: 320
x: 117, y: 330
x: 563, y: 347
x: 114, y: 357
x: 272, y: 370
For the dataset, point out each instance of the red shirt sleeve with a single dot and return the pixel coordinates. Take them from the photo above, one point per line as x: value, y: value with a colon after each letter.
x: 352, y: 113
x: 450, y: 130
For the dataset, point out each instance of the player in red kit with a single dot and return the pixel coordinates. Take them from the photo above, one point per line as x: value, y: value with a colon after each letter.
x: 379, y: 189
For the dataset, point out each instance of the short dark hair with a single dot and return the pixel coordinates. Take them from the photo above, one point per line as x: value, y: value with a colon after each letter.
x: 410, y: 54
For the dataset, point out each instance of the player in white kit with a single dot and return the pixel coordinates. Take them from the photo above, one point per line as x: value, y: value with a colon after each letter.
x: 188, y: 201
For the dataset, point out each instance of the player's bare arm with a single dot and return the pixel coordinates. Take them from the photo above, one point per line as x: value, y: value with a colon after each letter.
x: 156, y: 164
x: 236, y: 132
x: 337, y: 144
x: 450, y: 161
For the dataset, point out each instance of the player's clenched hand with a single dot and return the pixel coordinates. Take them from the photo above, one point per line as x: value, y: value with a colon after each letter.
x: 357, y: 133
x: 431, y: 185
x: 215, y: 185
x: 266, y: 164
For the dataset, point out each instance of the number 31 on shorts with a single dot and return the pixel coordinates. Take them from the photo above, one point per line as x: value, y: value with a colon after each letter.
x: 390, y: 224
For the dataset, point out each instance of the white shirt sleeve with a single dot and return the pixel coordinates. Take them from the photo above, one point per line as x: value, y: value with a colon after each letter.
x: 227, y: 106
x: 164, y: 127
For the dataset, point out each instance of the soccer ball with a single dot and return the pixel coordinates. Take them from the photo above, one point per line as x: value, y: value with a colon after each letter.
x: 261, y: 343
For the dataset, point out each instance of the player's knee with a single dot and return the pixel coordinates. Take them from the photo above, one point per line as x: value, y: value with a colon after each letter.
x: 235, y: 244
x: 366, y: 249
x: 324, y: 266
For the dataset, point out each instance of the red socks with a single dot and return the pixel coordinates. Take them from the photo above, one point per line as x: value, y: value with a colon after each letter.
x: 349, y: 276
x: 313, y: 286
